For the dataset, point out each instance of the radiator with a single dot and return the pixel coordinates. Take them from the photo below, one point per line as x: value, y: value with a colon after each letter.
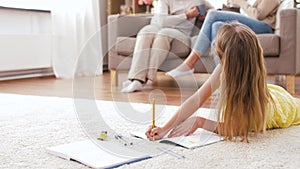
x: 25, y: 43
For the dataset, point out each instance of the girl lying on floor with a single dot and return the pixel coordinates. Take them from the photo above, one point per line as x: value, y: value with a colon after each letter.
x: 247, y: 105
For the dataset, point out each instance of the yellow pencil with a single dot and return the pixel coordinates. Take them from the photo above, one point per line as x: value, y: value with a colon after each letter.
x: 153, y: 116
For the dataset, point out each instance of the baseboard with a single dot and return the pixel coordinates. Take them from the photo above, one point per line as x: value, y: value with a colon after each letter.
x: 27, y: 73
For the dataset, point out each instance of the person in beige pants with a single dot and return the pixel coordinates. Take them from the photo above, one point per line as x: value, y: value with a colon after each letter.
x: 174, y: 20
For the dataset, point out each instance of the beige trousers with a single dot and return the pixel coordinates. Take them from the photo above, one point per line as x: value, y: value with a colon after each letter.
x: 151, y: 49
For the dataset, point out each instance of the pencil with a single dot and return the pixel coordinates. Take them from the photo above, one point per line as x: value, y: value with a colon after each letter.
x: 153, y: 116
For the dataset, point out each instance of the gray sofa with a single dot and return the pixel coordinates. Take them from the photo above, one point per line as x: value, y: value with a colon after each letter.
x: 281, y: 49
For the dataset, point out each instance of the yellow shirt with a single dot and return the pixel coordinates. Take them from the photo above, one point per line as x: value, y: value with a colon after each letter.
x: 285, y: 112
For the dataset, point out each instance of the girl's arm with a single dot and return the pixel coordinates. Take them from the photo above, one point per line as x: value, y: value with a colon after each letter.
x: 189, y: 106
x: 190, y: 125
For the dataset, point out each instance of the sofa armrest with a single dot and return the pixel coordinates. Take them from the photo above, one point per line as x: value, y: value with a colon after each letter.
x: 290, y: 38
x: 125, y: 26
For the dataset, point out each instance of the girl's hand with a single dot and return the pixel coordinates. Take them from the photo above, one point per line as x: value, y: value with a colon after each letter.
x: 157, y: 132
x: 185, y: 128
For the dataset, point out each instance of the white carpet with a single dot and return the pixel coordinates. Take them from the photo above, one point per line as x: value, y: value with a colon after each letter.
x: 29, y: 124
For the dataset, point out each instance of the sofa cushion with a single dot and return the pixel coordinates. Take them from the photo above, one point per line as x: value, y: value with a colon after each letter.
x: 125, y: 47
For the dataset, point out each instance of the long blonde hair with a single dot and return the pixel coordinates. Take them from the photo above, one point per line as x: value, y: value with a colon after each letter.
x: 244, y: 96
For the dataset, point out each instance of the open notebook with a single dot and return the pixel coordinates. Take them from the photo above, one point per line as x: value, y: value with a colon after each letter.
x: 199, y: 138
x: 88, y: 153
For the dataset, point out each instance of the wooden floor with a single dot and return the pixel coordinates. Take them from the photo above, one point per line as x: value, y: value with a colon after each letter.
x: 165, y: 89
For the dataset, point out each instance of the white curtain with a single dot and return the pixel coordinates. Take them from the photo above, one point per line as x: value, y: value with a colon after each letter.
x: 76, y: 38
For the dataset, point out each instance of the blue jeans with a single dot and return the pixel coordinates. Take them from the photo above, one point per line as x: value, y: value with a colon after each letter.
x: 215, y: 19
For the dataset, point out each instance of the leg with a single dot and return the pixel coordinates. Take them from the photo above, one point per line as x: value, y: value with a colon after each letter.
x: 114, y: 77
x: 194, y: 56
x: 205, y: 36
x: 187, y: 67
x: 140, y: 61
x: 290, y: 84
x: 215, y: 28
x: 161, y: 48
x: 141, y: 55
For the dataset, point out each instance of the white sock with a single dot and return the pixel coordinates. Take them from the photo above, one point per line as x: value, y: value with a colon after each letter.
x: 149, y: 82
x: 135, y: 85
x: 177, y: 72
x: 126, y: 83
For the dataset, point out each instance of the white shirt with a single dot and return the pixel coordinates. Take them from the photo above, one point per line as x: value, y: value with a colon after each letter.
x: 171, y: 14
